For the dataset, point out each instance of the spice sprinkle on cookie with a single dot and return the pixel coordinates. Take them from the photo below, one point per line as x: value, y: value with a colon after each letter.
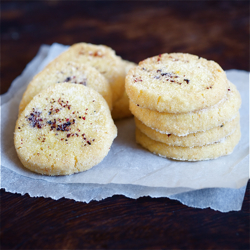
x: 184, y: 107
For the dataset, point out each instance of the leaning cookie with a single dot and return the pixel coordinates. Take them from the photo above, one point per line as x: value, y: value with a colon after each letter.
x: 65, y: 129
x: 176, y: 83
x: 194, y: 139
x: 121, y: 107
x: 192, y: 122
x: 66, y: 71
x: 207, y: 152
x: 102, y: 58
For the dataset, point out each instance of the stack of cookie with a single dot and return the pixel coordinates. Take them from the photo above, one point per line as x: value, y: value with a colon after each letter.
x: 94, y: 66
x: 65, y: 124
x: 184, y: 106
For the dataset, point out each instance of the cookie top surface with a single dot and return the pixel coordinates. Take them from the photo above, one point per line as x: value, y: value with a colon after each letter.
x: 102, y: 58
x: 176, y: 83
x: 71, y: 72
x: 64, y: 129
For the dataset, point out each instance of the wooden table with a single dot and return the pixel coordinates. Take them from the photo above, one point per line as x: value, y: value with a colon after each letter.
x: 136, y: 30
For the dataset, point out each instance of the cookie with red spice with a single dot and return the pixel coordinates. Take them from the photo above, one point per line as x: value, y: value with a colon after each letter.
x: 176, y: 83
x: 102, y: 58
x: 65, y: 129
x: 71, y: 72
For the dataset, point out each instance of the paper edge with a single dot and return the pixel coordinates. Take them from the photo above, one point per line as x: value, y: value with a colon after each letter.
x: 45, y: 49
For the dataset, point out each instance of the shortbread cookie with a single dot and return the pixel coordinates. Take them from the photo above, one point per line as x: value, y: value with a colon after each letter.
x: 121, y: 107
x: 186, y: 123
x: 191, y: 140
x: 72, y: 72
x: 208, y: 152
x: 176, y: 83
x: 65, y: 129
x: 103, y: 59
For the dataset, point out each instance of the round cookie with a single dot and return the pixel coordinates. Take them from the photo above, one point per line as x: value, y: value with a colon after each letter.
x: 103, y: 59
x: 65, y: 129
x: 176, y: 83
x: 186, y: 123
x: 208, y: 152
x: 191, y: 140
x: 65, y: 71
x: 121, y: 107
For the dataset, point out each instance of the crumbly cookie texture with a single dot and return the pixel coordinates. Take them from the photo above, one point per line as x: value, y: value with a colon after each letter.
x: 102, y: 58
x: 193, y: 122
x: 121, y: 107
x: 191, y: 140
x: 66, y: 71
x: 207, y: 152
x: 65, y: 129
x: 176, y: 83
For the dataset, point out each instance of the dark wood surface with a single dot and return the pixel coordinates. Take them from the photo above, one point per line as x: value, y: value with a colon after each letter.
x: 136, y: 30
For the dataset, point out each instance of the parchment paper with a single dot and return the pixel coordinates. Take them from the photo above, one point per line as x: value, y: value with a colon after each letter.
x: 129, y: 169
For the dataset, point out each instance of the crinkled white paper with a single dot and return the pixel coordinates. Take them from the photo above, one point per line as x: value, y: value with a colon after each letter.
x: 129, y: 169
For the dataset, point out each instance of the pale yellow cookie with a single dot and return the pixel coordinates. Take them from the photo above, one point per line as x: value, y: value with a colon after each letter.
x: 103, y: 59
x: 186, y: 123
x: 65, y: 129
x: 65, y: 71
x: 208, y: 152
x: 176, y: 83
x: 191, y: 140
x: 128, y: 65
x: 121, y: 107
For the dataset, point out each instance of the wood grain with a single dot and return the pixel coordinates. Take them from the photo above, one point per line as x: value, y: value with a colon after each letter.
x: 119, y: 223
x: 216, y: 30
